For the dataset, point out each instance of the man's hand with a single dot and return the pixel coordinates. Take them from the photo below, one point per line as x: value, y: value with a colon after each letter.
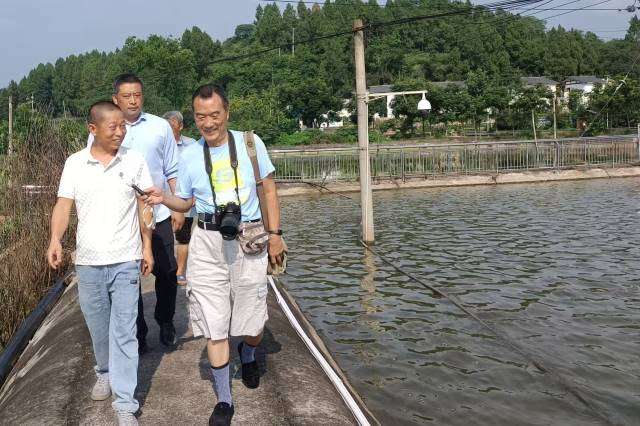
x: 154, y: 196
x: 276, y: 248
x: 146, y: 265
x: 54, y: 254
x: 177, y: 221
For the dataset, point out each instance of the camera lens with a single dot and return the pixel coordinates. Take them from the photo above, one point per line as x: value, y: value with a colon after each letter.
x: 229, y: 221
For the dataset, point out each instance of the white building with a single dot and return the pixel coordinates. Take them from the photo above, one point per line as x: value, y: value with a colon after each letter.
x: 584, y: 83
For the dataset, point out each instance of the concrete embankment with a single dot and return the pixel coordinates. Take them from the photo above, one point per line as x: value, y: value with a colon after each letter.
x: 51, y: 382
x: 291, y: 189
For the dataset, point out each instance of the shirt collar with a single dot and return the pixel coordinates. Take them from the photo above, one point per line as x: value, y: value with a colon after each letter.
x: 140, y: 119
x: 90, y: 159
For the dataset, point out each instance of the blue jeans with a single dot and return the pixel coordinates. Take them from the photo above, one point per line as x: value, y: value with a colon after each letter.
x: 109, y: 301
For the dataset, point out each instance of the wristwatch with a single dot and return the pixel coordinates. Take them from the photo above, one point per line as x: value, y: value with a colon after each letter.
x: 276, y: 232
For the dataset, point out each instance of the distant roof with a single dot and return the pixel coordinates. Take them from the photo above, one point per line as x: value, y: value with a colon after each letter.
x: 385, y: 88
x: 443, y: 84
x: 537, y: 81
x: 585, y: 79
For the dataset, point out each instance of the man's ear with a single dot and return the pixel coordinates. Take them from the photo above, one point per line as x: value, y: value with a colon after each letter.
x: 92, y: 128
x: 114, y: 99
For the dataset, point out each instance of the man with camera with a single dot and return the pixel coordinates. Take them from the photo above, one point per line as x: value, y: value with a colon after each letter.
x: 226, y: 275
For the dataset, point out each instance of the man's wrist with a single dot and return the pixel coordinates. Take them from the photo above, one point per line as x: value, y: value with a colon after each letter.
x: 276, y: 231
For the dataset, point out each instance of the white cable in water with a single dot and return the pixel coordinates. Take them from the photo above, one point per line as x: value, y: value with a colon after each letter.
x: 335, y: 379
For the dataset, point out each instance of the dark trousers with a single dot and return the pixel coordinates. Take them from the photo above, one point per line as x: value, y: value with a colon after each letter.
x: 164, y: 270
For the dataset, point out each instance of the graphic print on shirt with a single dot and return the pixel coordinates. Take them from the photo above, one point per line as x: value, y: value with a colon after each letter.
x: 225, y: 184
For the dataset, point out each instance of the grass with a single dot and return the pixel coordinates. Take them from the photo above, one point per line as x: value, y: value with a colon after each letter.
x: 38, y: 159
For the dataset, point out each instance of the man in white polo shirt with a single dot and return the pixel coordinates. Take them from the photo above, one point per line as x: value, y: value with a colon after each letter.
x: 109, y: 250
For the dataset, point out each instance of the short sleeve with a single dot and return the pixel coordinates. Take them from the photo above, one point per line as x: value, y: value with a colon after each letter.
x: 170, y: 153
x: 264, y: 162
x: 67, y: 185
x: 143, y: 178
x: 184, y: 188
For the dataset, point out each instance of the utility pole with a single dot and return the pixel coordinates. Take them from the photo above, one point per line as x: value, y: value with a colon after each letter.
x: 293, y: 41
x: 638, y: 141
x: 533, y: 124
x: 10, y: 147
x: 64, y: 109
x: 32, y: 102
x: 555, y: 125
x: 366, y: 198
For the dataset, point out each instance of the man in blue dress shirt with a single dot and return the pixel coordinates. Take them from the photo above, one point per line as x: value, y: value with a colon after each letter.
x: 153, y: 138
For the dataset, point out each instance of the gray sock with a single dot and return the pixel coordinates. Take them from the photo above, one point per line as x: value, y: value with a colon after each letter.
x: 221, y: 383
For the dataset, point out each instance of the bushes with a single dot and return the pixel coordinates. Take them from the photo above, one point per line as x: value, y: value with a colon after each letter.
x: 38, y: 159
x: 340, y: 136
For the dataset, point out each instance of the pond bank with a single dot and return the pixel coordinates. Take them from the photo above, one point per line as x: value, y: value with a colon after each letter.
x: 291, y: 189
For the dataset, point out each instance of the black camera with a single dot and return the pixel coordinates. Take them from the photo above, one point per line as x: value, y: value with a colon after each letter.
x: 229, y: 216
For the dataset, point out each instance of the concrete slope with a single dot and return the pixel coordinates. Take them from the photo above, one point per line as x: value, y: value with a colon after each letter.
x: 50, y: 385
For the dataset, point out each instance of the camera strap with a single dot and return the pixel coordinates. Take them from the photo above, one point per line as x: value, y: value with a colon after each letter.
x: 233, y: 157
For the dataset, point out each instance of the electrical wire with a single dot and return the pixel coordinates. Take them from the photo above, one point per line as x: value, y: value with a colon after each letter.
x: 583, y: 8
x: 466, y: 10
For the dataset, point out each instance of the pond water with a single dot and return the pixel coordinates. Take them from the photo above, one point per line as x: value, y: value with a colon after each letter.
x: 552, y: 266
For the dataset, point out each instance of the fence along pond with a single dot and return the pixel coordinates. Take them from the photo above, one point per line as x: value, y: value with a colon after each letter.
x: 434, y: 160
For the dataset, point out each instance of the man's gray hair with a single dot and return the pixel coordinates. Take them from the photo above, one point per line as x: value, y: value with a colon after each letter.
x: 174, y: 115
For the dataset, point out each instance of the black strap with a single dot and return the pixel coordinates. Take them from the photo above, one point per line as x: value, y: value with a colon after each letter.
x: 233, y: 157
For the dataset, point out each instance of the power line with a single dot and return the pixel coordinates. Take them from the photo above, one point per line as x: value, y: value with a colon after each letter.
x: 346, y: 4
x: 583, y: 8
x: 498, y: 5
x: 403, y: 6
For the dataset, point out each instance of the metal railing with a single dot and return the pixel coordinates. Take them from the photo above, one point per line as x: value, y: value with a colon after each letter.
x: 434, y: 160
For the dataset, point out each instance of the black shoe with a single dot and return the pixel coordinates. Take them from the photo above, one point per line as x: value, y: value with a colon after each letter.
x: 222, y: 414
x: 250, y: 373
x: 142, y: 346
x: 167, y: 334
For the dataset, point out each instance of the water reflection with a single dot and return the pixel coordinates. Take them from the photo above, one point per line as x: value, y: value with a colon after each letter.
x: 367, y: 283
x: 552, y: 266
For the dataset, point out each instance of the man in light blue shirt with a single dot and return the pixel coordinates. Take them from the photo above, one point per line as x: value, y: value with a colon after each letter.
x: 183, y: 235
x: 226, y: 283
x: 153, y: 138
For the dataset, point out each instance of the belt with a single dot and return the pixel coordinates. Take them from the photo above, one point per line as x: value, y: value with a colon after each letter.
x: 205, y: 222
x: 208, y: 226
x: 211, y: 218
x: 206, y: 217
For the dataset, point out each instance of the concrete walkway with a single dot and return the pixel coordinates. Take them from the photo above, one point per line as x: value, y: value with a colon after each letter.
x: 52, y: 380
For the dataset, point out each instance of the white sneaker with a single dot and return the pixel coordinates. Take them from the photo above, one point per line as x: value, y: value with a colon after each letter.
x: 126, y: 418
x: 102, y: 389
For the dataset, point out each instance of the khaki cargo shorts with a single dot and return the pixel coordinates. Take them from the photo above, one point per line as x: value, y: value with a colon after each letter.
x: 226, y: 289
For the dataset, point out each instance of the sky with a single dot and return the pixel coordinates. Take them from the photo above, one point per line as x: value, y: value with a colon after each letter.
x: 40, y: 31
